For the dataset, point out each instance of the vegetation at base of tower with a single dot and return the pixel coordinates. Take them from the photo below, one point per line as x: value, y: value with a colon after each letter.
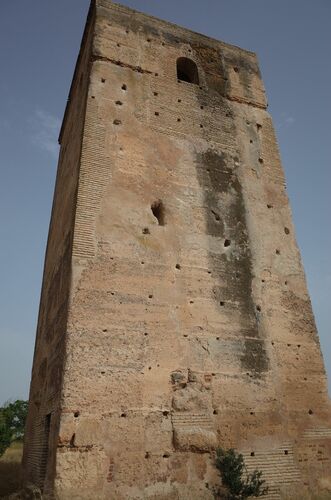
x: 237, y: 483
x: 5, y: 437
x: 12, y: 423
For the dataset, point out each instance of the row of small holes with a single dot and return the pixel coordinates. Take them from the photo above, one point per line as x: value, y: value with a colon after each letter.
x: 178, y: 100
x: 117, y: 121
x: 253, y: 453
x: 156, y: 113
x: 162, y: 43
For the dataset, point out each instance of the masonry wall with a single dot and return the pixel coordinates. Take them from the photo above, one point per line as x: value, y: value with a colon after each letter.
x: 189, y: 322
x: 41, y: 436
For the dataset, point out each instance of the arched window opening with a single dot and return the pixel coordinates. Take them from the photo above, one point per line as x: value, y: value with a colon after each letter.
x: 187, y: 70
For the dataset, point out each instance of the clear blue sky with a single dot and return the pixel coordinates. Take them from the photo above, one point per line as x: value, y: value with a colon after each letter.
x: 39, y: 43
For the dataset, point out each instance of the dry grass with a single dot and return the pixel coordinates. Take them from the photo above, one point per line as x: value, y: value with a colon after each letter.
x: 10, y: 470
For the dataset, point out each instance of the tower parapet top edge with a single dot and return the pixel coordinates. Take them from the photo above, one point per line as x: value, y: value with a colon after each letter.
x: 166, y: 24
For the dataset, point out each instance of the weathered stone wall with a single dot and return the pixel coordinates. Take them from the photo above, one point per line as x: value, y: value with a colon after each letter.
x: 41, y: 436
x: 189, y: 322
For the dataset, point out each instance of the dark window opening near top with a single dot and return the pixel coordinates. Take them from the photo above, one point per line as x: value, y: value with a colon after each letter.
x: 187, y: 70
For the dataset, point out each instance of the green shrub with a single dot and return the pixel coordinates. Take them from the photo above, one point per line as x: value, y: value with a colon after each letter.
x: 238, y: 484
x: 5, y: 437
x: 12, y: 423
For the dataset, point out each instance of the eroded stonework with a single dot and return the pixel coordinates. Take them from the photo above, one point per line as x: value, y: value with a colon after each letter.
x: 174, y: 313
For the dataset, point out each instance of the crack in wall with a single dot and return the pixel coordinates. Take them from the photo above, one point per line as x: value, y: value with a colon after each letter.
x: 117, y: 62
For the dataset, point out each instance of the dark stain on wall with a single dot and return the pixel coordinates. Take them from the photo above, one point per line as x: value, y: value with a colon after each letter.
x: 217, y: 177
x: 212, y: 63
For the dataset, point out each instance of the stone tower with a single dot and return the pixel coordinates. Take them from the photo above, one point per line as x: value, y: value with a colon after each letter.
x: 174, y: 314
